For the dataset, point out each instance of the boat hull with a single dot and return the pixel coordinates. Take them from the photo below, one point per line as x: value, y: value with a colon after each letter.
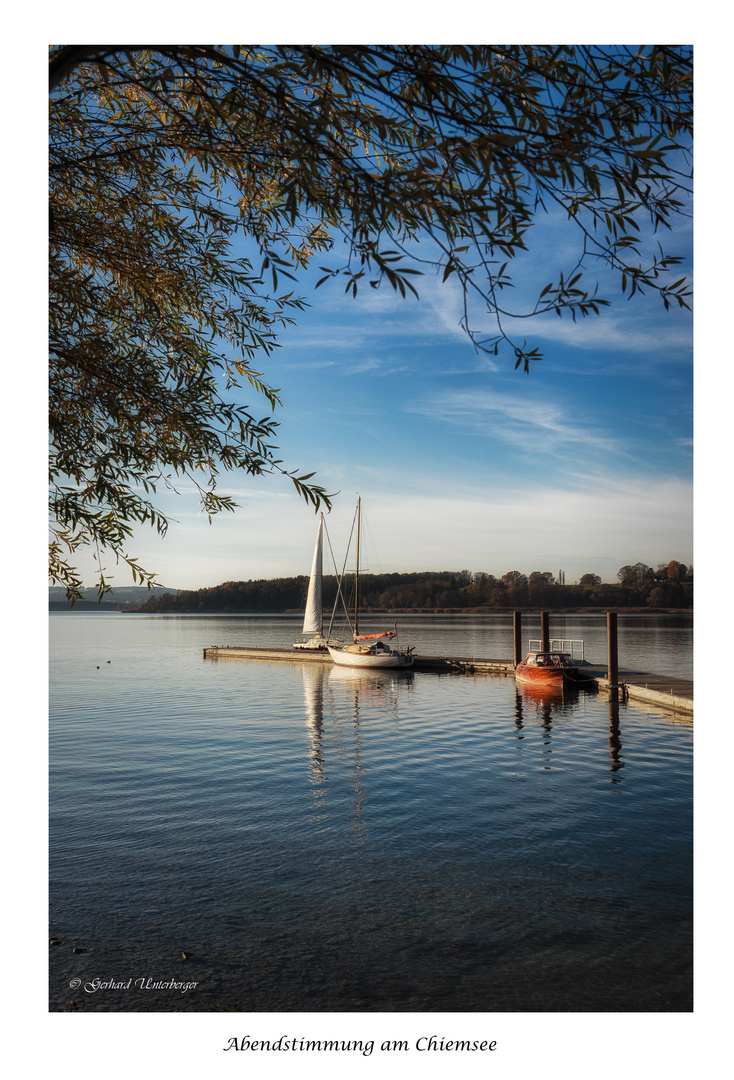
x: 546, y: 669
x: 531, y: 676
x: 386, y: 659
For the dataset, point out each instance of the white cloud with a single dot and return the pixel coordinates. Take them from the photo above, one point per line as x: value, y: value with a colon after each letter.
x: 516, y: 419
x: 610, y: 333
x: 592, y: 522
x: 605, y: 520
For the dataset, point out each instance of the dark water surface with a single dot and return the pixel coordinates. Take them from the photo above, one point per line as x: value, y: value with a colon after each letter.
x: 326, y: 841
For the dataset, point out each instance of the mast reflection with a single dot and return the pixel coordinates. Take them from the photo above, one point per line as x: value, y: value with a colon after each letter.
x: 313, y: 694
x: 347, y: 696
x: 365, y: 691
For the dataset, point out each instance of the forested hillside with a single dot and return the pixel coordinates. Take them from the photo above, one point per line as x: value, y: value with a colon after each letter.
x: 638, y: 586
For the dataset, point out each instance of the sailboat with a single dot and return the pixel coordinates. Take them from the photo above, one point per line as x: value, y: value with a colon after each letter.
x: 369, y: 650
x: 313, y: 620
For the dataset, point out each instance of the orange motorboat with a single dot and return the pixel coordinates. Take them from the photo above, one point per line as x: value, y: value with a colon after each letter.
x: 547, y: 669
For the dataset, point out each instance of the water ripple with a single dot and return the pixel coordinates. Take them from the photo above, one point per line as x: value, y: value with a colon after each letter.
x: 322, y: 843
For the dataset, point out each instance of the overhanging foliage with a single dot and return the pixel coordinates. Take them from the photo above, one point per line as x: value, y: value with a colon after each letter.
x: 164, y: 159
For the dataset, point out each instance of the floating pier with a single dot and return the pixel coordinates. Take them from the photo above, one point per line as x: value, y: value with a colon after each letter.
x: 636, y: 687
x: 646, y: 688
x: 459, y: 665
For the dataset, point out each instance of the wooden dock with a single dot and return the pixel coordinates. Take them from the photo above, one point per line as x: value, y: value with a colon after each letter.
x: 645, y: 688
x: 636, y: 687
x: 457, y: 664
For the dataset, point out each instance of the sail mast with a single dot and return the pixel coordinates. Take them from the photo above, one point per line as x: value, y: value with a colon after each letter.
x: 356, y: 580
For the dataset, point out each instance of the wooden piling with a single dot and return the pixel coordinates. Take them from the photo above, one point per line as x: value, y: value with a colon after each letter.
x: 517, y: 628
x: 544, y: 632
x: 612, y: 651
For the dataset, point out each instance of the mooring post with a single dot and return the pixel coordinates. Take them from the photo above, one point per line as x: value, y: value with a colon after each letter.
x: 517, y: 627
x: 544, y: 632
x: 612, y: 653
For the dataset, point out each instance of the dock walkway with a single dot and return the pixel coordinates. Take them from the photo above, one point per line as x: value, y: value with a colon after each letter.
x: 646, y: 688
x: 458, y: 664
x: 638, y: 687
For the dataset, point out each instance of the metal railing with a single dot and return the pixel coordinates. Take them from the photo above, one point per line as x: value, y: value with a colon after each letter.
x: 574, y: 646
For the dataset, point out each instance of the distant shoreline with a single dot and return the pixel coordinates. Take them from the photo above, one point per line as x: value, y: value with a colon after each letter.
x: 89, y: 605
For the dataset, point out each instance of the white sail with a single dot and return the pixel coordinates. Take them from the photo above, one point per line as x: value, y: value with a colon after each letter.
x: 312, y: 621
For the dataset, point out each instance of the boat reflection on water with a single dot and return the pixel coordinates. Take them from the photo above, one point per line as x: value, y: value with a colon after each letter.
x: 548, y: 703
x: 542, y: 704
x: 338, y: 701
x: 548, y: 698
x: 365, y: 690
x: 377, y: 689
x: 313, y: 695
x: 345, y: 699
x: 369, y: 679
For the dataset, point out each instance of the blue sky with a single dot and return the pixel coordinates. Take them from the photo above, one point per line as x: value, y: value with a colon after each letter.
x: 583, y: 465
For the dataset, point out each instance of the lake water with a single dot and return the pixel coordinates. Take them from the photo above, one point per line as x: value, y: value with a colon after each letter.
x: 319, y: 840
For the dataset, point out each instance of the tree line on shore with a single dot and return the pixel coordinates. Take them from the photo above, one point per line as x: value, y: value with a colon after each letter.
x: 670, y: 585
